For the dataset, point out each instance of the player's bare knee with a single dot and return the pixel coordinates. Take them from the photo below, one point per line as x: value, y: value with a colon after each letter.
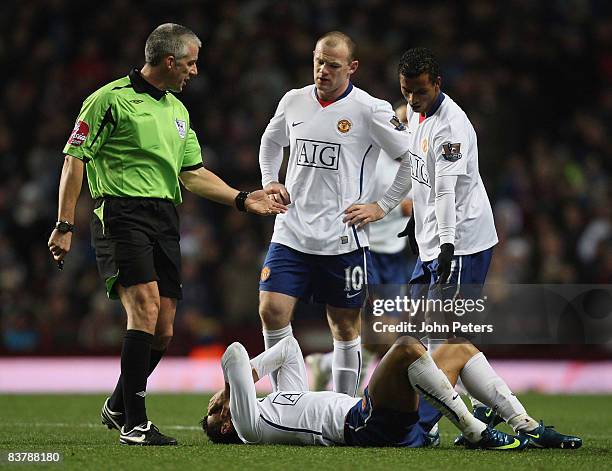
x: 273, y: 315
x: 409, y: 348
x: 463, y: 347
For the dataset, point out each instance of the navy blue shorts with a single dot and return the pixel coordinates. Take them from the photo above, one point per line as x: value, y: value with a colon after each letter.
x: 337, y: 280
x: 366, y: 426
x: 468, y: 274
x: 389, y: 268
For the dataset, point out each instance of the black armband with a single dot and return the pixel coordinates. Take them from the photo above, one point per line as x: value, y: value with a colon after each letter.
x: 240, y: 199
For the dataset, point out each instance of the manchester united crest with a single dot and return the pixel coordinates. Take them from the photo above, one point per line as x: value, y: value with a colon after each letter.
x: 265, y: 273
x: 344, y: 126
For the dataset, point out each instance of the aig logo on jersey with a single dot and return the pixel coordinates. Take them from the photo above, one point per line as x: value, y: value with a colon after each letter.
x: 318, y: 154
x: 181, y: 127
x: 451, y: 152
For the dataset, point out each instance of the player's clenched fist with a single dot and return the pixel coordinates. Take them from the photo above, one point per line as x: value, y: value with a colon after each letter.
x: 59, y: 244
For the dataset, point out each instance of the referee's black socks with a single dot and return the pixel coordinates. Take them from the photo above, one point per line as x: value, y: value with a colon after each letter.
x: 135, y: 363
x: 115, y: 402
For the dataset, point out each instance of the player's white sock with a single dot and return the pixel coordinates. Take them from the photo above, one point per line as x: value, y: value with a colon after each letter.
x: 271, y: 338
x: 346, y: 366
x: 427, y: 379
x: 482, y: 382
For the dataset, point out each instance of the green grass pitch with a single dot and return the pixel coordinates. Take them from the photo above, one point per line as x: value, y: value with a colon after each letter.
x: 70, y: 424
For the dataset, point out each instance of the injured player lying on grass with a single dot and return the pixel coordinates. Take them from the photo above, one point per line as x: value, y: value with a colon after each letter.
x: 389, y: 414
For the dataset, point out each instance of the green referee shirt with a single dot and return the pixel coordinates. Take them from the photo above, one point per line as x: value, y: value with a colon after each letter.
x: 135, y: 140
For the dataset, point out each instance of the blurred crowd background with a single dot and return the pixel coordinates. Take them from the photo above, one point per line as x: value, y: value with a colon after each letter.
x: 534, y: 77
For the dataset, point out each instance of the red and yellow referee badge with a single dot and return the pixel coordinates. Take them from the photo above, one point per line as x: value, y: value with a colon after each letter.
x: 344, y: 126
x: 424, y: 145
x: 265, y: 274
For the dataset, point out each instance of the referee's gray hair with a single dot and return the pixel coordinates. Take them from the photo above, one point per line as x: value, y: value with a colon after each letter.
x: 169, y: 39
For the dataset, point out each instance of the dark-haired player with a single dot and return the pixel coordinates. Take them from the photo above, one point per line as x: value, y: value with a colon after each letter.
x: 387, y: 415
x: 453, y: 220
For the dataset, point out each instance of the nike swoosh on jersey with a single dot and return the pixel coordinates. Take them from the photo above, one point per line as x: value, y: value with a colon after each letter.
x: 294, y: 124
x: 455, y: 397
x: 348, y: 296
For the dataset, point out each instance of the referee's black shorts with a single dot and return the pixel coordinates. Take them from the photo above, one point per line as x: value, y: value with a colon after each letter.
x: 137, y: 241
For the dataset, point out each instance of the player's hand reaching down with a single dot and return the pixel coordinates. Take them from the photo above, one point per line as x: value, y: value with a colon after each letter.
x: 259, y: 202
x: 361, y: 214
x: 278, y: 192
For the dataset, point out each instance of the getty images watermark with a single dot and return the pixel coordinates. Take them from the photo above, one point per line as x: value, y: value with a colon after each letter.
x: 495, y: 314
x: 388, y: 310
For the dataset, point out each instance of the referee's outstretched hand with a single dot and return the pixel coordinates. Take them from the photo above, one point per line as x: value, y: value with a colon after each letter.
x: 259, y: 202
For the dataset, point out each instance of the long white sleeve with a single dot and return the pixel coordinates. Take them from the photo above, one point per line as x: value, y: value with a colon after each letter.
x: 286, y: 357
x: 445, y: 208
x: 270, y: 160
x: 243, y: 398
x: 274, y: 138
x: 400, y: 187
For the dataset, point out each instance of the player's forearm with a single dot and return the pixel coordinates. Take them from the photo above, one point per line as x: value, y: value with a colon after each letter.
x: 445, y: 209
x: 400, y: 187
x: 71, y: 181
x: 237, y: 372
x: 270, y: 160
x: 206, y: 184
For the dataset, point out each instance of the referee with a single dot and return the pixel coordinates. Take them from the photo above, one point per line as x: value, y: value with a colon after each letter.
x: 136, y: 141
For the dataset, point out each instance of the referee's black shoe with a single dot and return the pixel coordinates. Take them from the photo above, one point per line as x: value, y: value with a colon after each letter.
x: 112, y: 419
x: 145, y: 434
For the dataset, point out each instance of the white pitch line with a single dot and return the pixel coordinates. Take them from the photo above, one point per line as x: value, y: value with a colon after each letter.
x: 60, y: 424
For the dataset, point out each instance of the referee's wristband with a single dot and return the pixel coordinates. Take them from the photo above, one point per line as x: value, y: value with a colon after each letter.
x: 240, y: 200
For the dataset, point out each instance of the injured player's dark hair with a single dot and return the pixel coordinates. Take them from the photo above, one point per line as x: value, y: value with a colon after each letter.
x: 212, y: 429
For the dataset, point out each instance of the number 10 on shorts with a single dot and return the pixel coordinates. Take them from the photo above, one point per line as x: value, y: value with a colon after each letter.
x: 353, y: 278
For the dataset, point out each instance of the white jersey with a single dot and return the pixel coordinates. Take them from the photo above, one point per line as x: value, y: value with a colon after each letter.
x: 383, y: 233
x: 332, y: 162
x: 444, y: 144
x: 299, y: 417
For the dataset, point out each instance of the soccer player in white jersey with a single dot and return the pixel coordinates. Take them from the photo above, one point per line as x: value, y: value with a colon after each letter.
x: 454, y: 225
x: 387, y: 415
x: 390, y: 268
x: 335, y: 132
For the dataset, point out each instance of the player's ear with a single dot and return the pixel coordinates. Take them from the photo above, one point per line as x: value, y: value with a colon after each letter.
x: 168, y: 62
x: 438, y: 81
x: 353, y: 67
